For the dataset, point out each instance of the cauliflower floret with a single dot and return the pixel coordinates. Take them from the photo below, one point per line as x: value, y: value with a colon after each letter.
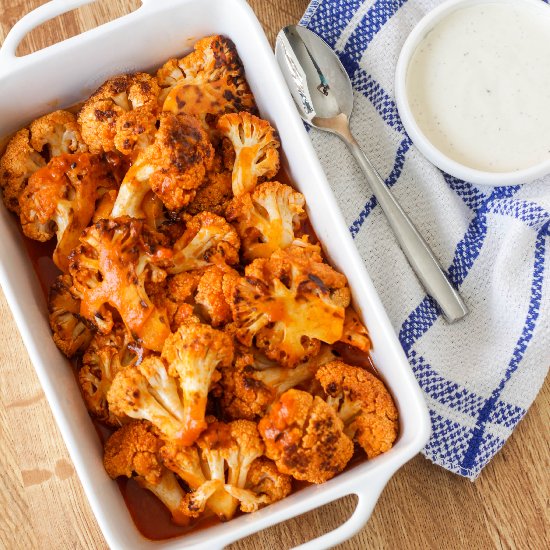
x: 70, y: 333
x: 363, y: 403
x: 31, y: 148
x: 132, y: 451
x: 60, y: 198
x: 211, y: 298
x: 264, y: 485
x: 248, y: 388
x: 355, y: 333
x: 19, y: 162
x: 106, y: 355
x: 121, y: 115
x: 193, y: 353
x: 213, y: 195
x: 290, y: 303
x: 208, y: 80
x: 174, y: 167
x: 110, y: 269
x: 56, y: 134
x: 256, y: 146
x: 305, y: 437
x: 171, y: 391
x: 208, y: 239
x: 266, y: 218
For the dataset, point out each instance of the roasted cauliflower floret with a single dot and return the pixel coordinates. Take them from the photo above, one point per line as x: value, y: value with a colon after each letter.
x: 267, y: 218
x: 106, y: 355
x: 305, y: 437
x: 193, y: 353
x: 208, y: 239
x: 210, y: 80
x: 256, y: 146
x: 212, y: 295
x: 363, y: 403
x: 110, y: 269
x: 265, y: 482
x: 213, y: 195
x: 121, y: 115
x: 132, y: 451
x: 60, y: 198
x: 355, y: 333
x: 248, y: 388
x: 56, y: 134
x: 290, y: 303
x: 173, y: 166
x: 17, y: 165
x: 70, y: 334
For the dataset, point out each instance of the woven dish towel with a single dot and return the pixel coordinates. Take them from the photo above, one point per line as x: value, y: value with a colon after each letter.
x: 480, y: 375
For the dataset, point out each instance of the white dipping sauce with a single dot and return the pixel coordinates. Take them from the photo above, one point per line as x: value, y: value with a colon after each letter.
x: 478, y: 86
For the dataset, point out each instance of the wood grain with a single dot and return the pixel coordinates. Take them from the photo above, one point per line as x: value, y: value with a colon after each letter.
x: 43, y: 505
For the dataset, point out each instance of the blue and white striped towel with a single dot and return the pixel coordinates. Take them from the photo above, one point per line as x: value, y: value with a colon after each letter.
x: 481, y: 375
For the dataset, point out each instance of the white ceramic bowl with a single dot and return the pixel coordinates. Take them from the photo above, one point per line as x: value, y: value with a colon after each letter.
x: 67, y: 72
x: 424, y: 145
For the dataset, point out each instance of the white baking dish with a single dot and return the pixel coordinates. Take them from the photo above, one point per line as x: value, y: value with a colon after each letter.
x: 66, y: 73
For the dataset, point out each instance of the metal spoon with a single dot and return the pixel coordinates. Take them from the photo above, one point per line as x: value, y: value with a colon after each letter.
x: 323, y: 94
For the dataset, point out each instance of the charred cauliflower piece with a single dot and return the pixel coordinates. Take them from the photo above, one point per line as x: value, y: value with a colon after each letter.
x: 173, y: 166
x: 121, y: 115
x: 110, y: 269
x: 290, y: 303
x: 70, y: 333
x: 265, y: 482
x: 363, y: 403
x: 256, y: 146
x: 305, y: 437
x: 249, y: 388
x: 60, y: 198
x: 213, y: 195
x: 132, y: 451
x: 171, y: 391
x: 105, y: 357
x: 193, y: 353
x: 267, y: 218
x: 355, y: 333
x: 210, y: 80
x: 208, y: 239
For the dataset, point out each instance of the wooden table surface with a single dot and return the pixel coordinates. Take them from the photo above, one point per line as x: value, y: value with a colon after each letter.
x: 43, y: 505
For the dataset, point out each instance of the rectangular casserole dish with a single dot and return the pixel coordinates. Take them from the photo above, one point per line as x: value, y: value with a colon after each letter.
x: 66, y: 73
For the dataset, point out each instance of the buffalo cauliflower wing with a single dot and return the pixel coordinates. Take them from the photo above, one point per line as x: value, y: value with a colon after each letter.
x: 363, y: 403
x: 256, y: 145
x: 305, y: 438
x: 110, y: 268
x: 267, y: 218
x: 248, y: 388
x: 193, y: 353
x: 60, y: 199
x: 121, y: 115
x: 355, y: 333
x: 106, y: 355
x: 213, y: 195
x: 210, y: 80
x: 171, y: 391
x: 70, y: 333
x: 290, y: 303
x: 173, y: 166
x: 31, y: 148
x: 133, y: 451
x: 208, y: 240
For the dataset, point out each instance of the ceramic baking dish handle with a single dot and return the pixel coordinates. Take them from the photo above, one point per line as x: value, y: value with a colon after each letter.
x: 366, y: 500
x: 33, y: 19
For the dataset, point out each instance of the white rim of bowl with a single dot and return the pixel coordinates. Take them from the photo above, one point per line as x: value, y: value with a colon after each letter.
x: 424, y: 145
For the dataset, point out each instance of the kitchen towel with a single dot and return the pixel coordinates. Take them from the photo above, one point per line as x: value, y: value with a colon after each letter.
x: 480, y: 375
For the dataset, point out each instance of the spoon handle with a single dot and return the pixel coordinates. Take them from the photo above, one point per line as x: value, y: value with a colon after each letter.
x: 416, y: 249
